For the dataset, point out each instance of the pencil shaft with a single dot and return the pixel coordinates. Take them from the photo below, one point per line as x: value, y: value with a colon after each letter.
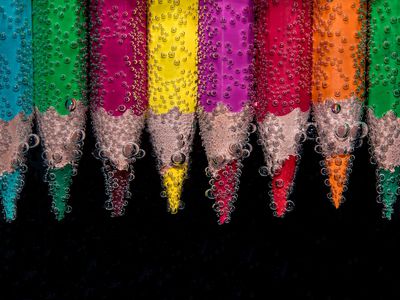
x: 283, y: 57
x: 173, y: 56
x: 119, y: 59
x: 339, y: 50
x: 226, y: 54
x: 384, y: 51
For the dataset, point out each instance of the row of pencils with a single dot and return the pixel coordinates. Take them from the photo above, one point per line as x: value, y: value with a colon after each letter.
x: 224, y: 63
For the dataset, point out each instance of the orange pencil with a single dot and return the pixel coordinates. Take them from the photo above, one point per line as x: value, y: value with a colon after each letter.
x: 339, y: 45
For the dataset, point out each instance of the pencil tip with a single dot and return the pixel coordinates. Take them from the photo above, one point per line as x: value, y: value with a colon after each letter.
x: 388, y: 189
x: 224, y: 190
x: 173, y: 179
x: 337, y: 167
x: 117, y: 185
x: 11, y: 185
x: 60, y: 180
x: 282, y: 183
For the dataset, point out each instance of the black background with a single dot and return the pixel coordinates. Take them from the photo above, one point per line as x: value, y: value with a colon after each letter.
x: 316, y: 251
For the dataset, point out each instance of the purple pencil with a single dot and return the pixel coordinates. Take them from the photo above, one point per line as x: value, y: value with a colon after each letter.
x: 225, y: 93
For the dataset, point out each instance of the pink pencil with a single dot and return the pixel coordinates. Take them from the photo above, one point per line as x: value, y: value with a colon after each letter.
x: 119, y: 91
x: 225, y: 92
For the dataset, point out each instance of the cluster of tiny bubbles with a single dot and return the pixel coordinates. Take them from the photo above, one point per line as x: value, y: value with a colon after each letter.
x: 77, y: 139
x: 239, y: 151
x: 353, y: 132
x: 31, y: 142
x: 132, y: 152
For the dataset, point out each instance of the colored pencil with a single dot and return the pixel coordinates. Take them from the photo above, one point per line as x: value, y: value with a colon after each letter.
x: 384, y: 97
x: 283, y: 71
x: 16, y: 88
x: 339, y: 53
x: 172, y: 46
x: 118, y: 91
x: 60, y: 84
x: 226, y: 55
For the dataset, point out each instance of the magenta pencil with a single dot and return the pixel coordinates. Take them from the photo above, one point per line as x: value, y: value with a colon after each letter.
x: 225, y: 93
x: 119, y: 91
x: 283, y: 72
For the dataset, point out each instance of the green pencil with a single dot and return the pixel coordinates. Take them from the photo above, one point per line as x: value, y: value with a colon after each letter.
x: 60, y: 63
x: 383, y: 99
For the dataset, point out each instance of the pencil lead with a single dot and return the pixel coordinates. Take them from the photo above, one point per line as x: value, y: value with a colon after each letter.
x: 10, y: 187
x: 60, y: 180
x: 282, y: 184
x: 388, y: 190
x: 337, y: 169
x: 173, y: 180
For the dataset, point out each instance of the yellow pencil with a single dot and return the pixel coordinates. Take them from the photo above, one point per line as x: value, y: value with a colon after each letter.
x: 172, y: 48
